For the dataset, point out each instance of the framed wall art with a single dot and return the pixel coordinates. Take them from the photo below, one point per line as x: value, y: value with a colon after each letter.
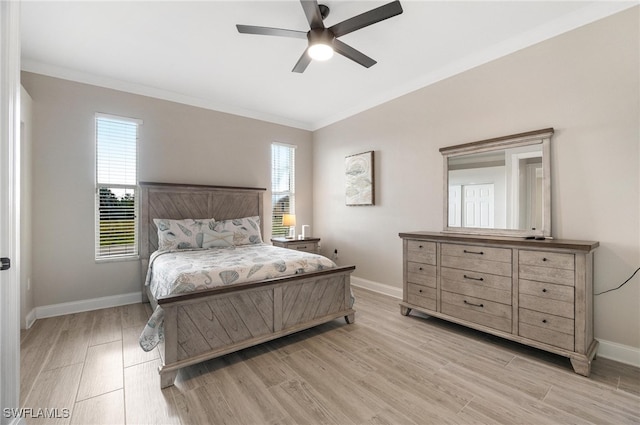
x: 359, y: 176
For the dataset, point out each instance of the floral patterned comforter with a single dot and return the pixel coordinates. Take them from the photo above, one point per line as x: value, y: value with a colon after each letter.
x: 180, y: 271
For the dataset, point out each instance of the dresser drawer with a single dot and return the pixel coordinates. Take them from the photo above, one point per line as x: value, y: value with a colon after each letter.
x: 421, y: 252
x: 479, y: 259
x: 549, y: 291
x: 422, y: 274
x: 488, y: 313
x: 553, y: 260
x: 547, y: 274
x: 550, y: 267
x: 546, y: 321
x: 547, y: 298
x: 304, y: 246
x: 422, y: 296
x: 545, y: 329
x: 480, y: 285
x: 477, y: 252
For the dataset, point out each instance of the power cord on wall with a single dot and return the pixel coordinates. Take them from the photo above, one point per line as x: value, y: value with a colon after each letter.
x: 621, y: 285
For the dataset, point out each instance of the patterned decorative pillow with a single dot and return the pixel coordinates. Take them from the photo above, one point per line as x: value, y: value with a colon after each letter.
x: 246, y: 231
x: 182, y: 234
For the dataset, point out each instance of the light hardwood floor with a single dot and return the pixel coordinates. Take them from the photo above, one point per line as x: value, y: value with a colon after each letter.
x: 384, y: 369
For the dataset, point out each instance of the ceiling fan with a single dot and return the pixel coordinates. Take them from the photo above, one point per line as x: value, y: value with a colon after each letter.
x: 324, y: 41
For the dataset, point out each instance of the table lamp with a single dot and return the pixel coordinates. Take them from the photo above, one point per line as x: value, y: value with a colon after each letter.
x: 289, y: 220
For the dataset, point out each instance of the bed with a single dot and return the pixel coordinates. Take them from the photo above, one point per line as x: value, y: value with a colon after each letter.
x: 209, y: 322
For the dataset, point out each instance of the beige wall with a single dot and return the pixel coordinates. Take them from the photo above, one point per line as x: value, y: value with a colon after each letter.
x: 178, y: 144
x: 583, y: 83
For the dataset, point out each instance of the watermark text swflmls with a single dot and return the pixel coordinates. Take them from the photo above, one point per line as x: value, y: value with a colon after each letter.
x: 39, y: 413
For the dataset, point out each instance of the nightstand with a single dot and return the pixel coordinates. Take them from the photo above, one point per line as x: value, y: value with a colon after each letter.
x: 306, y: 245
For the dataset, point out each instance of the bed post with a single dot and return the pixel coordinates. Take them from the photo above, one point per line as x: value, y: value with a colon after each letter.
x: 169, y: 350
x: 346, y: 281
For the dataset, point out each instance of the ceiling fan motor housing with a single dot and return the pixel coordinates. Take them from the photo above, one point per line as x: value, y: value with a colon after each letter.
x: 320, y: 36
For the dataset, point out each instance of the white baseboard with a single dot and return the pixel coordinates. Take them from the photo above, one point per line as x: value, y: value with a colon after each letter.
x: 618, y: 352
x: 30, y: 319
x: 87, y: 305
x: 607, y: 349
x: 378, y: 287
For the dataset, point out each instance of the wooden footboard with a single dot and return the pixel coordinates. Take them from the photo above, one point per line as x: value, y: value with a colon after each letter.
x: 205, y: 325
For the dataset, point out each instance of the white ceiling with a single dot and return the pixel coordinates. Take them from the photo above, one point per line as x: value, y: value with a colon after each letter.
x: 191, y: 52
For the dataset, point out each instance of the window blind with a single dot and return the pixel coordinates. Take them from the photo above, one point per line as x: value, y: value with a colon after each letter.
x: 283, y: 159
x: 116, y: 187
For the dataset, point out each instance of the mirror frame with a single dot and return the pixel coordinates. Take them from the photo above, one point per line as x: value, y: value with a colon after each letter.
x: 542, y: 137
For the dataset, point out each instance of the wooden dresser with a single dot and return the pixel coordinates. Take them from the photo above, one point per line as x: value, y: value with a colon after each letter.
x: 536, y: 292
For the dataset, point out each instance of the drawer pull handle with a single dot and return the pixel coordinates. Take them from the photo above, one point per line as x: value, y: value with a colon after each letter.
x: 420, y: 246
x: 544, y: 259
x: 481, y: 279
x: 475, y: 305
x: 544, y: 290
x: 420, y: 290
x: 544, y: 320
x: 473, y: 252
x: 420, y: 268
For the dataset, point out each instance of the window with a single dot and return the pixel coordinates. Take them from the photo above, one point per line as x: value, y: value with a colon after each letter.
x: 283, y: 160
x: 116, y: 187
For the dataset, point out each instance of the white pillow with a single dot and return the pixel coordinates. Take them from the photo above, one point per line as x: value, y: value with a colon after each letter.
x: 182, y: 234
x: 246, y: 231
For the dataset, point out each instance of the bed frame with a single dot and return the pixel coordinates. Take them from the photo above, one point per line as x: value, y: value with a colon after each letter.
x: 203, y: 325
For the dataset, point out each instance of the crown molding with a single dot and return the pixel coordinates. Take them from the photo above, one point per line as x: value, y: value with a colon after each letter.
x: 154, y: 92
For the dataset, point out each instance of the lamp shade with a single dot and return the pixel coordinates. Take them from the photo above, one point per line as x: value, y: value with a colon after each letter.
x: 288, y: 219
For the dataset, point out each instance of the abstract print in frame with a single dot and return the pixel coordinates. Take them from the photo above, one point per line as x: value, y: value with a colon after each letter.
x: 359, y: 176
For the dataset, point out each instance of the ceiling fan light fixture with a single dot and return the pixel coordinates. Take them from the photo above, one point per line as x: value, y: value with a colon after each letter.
x: 322, y: 40
x: 320, y: 52
x: 320, y: 44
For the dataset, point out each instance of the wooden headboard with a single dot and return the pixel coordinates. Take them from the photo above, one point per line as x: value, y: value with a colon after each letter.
x: 180, y: 201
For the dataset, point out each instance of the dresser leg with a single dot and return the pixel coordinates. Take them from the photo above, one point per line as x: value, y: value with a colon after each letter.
x: 581, y: 366
x: 350, y: 318
x: 405, y: 310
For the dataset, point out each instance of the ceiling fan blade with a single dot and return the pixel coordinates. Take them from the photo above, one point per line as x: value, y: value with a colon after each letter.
x: 353, y: 54
x: 312, y: 12
x: 302, y: 63
x: 250, y: 29
x: 378, y: 14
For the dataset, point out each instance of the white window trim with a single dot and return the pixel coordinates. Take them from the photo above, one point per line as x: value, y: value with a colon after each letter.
x: 292, y: 191
x: 125, y: 257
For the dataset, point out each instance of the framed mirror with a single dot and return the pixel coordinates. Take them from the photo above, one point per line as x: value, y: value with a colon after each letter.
x: 499, y: 186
